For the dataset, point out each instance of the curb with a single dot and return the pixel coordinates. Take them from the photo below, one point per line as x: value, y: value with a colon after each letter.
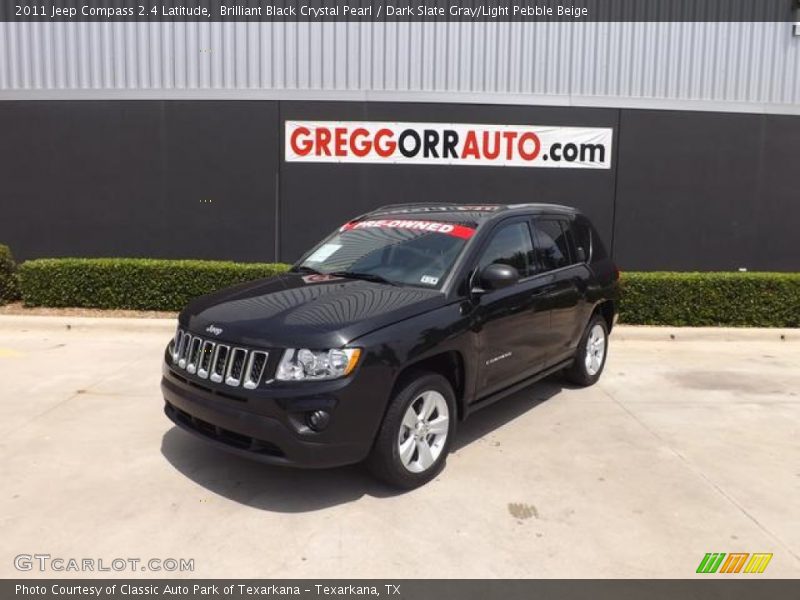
x: 646, y: 333
x: 621, y: 332
x: 84, y: 324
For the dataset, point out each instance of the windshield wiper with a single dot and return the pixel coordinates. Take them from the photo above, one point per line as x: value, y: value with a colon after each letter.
x: 365, y: 276
x: 304, y: 269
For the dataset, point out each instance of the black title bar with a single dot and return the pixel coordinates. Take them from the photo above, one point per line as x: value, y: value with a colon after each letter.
x: 399, y: 10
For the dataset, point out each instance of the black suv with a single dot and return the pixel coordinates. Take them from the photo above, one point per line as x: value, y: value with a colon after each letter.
x: 393, y: 329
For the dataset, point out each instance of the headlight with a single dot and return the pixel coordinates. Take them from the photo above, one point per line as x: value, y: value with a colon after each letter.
x: 316, y: 365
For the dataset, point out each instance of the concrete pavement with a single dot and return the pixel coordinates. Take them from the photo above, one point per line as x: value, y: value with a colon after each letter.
x: 686, y: 446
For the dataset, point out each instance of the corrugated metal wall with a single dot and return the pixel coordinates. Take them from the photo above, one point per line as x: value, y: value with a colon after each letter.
x: 714, y: 66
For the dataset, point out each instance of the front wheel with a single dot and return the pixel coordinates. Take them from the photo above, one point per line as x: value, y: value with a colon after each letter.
x: 414, y: 438
x: 590, y: 357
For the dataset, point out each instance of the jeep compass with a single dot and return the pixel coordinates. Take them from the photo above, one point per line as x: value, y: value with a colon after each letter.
x: 396, y: 327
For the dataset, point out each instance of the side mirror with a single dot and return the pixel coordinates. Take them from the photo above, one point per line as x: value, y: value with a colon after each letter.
x: 581, y: 254
x: 497, y: 276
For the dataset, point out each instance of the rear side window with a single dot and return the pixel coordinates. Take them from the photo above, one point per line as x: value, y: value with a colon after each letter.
x: 582, y: 238
x: 598, y: 249
x: 511, y: 245
x: 552, y: 244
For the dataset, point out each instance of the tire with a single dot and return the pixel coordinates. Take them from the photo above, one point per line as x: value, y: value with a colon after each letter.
x: 590, y: 357
x: 413, y: 441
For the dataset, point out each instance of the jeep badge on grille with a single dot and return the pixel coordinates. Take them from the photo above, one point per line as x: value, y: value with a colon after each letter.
x: 214, y: 329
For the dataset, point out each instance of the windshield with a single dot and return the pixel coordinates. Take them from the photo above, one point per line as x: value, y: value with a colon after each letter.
x: 399, y: 251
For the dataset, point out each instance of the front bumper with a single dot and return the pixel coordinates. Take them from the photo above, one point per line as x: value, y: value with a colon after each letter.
x: 268, y: 425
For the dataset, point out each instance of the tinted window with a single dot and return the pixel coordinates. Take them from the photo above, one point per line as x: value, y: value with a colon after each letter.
x: 598, y: 249
x: 581, y: 235
x: 511, y: 245
x: 552, y: 246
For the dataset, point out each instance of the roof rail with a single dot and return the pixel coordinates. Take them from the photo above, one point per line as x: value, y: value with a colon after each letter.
x: 413, y: 204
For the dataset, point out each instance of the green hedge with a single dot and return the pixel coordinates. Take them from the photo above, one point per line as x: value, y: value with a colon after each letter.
x: 678, y: 299
x: 9, y: 288
x: 708, y: 299
x: 130, y: 283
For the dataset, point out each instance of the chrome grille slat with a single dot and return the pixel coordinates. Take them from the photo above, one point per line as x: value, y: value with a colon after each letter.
x: 184, y: 349
x: 206, y: 356
x: 255, y: 369
x: 236, y: 364
x: 193, y: 355
x: 176, y: 344
x: 221, y: 363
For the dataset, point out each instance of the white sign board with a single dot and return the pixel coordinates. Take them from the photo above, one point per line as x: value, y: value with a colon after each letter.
x: 448, y: 144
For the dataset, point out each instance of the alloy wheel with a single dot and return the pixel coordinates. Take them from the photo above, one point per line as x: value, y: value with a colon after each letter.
x: 595, y: 349
x: 423, y: 431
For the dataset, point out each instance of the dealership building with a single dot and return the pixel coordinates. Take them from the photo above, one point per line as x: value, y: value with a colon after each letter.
x: 251, y: 140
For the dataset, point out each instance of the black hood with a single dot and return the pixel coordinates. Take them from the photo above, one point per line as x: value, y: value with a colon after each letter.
x: 304, y: 311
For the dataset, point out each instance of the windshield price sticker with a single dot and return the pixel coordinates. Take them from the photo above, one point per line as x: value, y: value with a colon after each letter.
x: 459, y: 231
x: 324, y: 252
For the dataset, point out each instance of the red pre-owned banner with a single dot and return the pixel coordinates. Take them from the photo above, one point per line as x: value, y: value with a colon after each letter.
x: 453, y: 229
x: 448, y: 144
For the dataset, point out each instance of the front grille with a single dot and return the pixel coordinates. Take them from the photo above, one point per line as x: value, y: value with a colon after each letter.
x: 207, y: 359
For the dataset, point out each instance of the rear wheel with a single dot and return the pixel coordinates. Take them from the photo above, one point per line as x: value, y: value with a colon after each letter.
x: 414, y: 439
x: 590, y: 357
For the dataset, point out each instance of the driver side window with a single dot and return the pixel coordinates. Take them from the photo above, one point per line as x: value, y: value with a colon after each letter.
x: 511, y: 245
x: 552, y: 244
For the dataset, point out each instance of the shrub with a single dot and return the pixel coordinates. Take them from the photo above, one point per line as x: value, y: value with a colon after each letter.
x: 131, y: 283
x: 677, y: 299
x: 9, y: 287
x: 706, y: 299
